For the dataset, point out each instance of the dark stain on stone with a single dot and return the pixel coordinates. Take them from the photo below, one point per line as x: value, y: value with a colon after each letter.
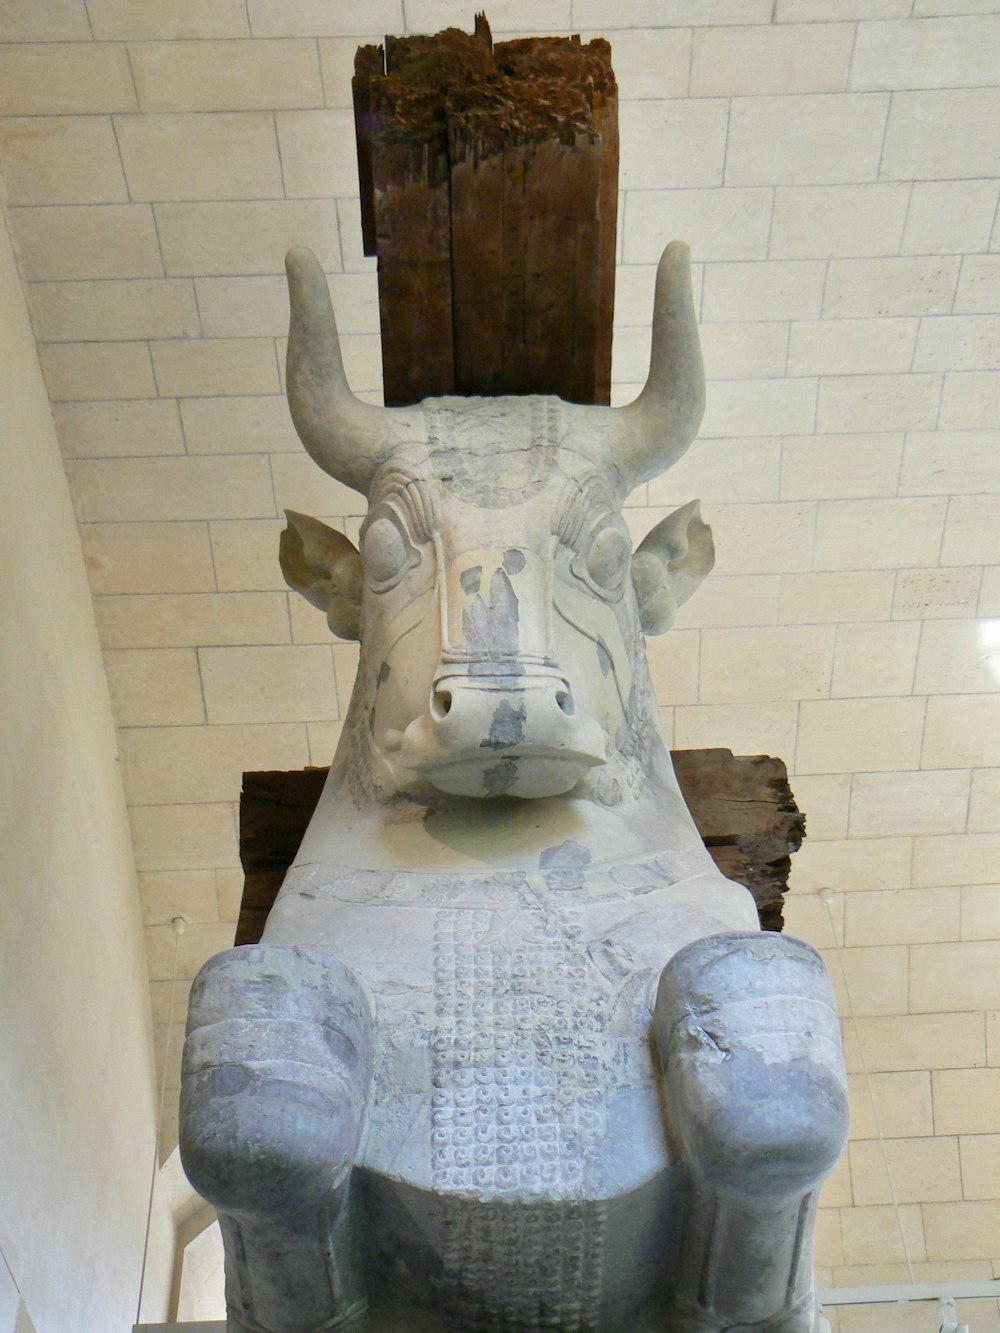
x: 470, y: 579
x: 747, y: 1078
x: 566, y: 856
x: 230, y: 1079
x: 506, y: 726
x: 504, y: 613
x: 384, y: 672
x: 513, y: 560
x: 566, y: 882
x: 492, y: 634
x: 498, y: 779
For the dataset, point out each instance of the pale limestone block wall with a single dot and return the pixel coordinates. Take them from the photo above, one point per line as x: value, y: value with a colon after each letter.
x: 77, y: 1084
x: 834, y: 165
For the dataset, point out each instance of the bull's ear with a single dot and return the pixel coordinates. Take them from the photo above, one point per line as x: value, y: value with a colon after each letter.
x: 325, y: 567
x: 670, y: 563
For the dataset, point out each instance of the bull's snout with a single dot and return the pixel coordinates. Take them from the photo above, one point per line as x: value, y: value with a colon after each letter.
x: 469, y: 692
x: 489, y: 735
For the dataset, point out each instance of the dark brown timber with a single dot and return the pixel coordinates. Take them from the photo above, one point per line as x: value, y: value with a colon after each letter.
x: 489, y: 178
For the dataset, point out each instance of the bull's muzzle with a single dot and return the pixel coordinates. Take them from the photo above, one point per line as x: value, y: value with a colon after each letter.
x: 487, y: 735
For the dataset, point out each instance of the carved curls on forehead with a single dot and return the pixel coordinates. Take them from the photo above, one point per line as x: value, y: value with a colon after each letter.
x: 579, y: 504
x: 395, y: 483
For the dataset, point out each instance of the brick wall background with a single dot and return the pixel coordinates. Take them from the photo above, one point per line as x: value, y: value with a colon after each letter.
x: 834, y: 166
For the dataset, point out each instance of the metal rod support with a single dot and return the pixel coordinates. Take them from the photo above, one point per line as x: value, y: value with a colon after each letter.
x: 903, y: 1292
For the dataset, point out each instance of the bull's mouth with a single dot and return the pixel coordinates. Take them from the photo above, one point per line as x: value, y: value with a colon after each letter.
x: 529, y: 771
x: 524, y: 773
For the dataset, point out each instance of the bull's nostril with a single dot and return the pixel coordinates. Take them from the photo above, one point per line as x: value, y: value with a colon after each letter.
x: 565, y: 701
x: 441, y: 703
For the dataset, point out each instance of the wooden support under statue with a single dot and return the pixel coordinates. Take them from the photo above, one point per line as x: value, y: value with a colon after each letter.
x: 742, y: 805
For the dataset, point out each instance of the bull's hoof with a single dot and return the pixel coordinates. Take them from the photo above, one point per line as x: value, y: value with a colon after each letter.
x: 276, y: 1072
x: 750, y: 1044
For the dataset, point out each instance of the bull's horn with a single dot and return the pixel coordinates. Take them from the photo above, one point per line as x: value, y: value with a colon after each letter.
x: 652, y: 432
x: 346, y: 437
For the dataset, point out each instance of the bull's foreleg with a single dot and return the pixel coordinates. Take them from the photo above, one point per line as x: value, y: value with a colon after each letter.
x: 756, y: 1096
x: 277, y: 1067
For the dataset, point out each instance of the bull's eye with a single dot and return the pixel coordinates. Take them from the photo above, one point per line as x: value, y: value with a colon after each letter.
x: 607, y: 559
x: 385, y: 552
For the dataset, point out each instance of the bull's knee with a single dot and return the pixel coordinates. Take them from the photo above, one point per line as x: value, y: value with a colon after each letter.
x: 750, y: 1044
x: 276, y: 1072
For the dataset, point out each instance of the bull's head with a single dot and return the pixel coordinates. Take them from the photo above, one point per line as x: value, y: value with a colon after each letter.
x: 496, y: 596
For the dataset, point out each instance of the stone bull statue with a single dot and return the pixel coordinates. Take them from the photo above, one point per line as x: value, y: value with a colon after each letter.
x: 512, y: 1054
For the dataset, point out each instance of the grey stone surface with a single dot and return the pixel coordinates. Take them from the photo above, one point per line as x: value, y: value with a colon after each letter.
x: 512, y: 1053
x: 212, y: 1326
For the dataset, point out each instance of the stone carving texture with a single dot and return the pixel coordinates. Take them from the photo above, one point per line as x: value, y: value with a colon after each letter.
x: 517, y: 1114
x: 512, y: 1054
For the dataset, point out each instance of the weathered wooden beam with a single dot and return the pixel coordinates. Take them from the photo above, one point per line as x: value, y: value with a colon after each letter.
x: 489, y: 179
x: 413, y: 234
x: 748, y: 819
x: 742, y: 806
